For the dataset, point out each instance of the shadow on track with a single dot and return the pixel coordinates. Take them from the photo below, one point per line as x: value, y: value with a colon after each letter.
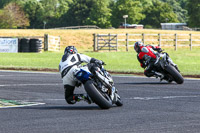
x: 63, y: 107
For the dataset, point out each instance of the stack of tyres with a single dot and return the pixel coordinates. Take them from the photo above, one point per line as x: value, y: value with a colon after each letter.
x: 35, y: 45
x: 24, y: 45
x: 29, y: 45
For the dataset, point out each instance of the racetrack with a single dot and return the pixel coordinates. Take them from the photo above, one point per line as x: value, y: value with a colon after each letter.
x: 150, y: 106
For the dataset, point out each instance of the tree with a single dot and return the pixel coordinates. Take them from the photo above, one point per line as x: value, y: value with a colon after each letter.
x: 78, y: 12
x: 13, y: 17
x: 63, y: 6
x: 194, y: 13
x: 146, y: 3
x: 35, y: 12
x: 45, y: 11
x: 181, y: 13
x: 182, y: 3
x: 4, y: 2
x: 132, y: 8
x: 3, y: 23
x: 157, y: 13
x: 53, y: 10
x: 100, y: 14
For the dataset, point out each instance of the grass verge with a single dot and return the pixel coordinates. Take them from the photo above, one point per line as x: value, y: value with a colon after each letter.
x: 125, y: 62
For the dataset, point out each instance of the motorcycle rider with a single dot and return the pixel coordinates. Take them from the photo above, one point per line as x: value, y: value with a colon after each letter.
x: 69, y: 64
x: 147, y: 57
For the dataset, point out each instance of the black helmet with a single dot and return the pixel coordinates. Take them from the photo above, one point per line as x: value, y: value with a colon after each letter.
x: 70, y: 50
x: 137, y: 46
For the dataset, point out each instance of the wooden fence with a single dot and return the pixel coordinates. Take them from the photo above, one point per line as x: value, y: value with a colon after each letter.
x: 51, y: 43
x: 114, y: 41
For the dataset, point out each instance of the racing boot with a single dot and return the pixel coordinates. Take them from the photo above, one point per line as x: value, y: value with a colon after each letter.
x: 85, y: 97
x: 159, y: 75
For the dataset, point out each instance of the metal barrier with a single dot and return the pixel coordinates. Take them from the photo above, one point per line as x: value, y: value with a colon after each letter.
x: 105, y: 42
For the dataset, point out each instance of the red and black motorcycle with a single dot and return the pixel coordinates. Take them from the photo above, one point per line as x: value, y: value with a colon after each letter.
x: 167, y: 68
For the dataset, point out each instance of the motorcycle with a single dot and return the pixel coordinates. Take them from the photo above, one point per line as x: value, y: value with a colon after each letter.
x: 99, y: 86
x: 167, y: 68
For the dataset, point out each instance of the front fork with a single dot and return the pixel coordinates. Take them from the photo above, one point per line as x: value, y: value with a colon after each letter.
x: 172, y: 63
x: 114, y: 96
x: 109, y: 83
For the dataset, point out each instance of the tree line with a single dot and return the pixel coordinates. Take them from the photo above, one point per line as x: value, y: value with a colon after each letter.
x: 35, y: 14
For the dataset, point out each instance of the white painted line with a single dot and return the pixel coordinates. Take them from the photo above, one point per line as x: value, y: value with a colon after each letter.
x: 19, y: 106
x: 143, y: 77
x: 54, y: 99
x: 128, y: 76
x: 14, y: 71
x: 192, y: 78
x: 29, y: 85
x: 55, y: 73
x: 161, y: 97
x: 49, y: 100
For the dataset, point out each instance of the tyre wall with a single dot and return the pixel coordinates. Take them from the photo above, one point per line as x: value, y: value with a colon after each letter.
x: 35, y: 45
x: 29, y: 45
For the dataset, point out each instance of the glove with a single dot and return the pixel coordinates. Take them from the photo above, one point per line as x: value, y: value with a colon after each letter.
x: 99, y: 62
x: 142, y: 65
x: 103, y: 63
x: 159, y: 50
x: 93, y: 60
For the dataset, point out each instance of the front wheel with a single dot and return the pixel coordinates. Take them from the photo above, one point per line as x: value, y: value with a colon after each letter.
x: 175, y: 74
x: 100, y: 98
x: 119, y: 101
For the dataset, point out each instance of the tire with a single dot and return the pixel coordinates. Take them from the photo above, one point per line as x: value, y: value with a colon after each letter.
x: 35, y: 45
x: 103, y: 101
x: 119, y: 103
x: 175, y: 74
x: 24, y: 45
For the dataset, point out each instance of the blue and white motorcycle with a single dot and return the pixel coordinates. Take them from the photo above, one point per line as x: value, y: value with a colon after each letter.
x: 99, y: 86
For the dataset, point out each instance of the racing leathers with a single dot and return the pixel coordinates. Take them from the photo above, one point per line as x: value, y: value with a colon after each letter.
x: 147, y: 57
x: 69, y: 64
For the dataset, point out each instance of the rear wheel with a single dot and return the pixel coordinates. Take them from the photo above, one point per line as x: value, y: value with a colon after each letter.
x: 100, y: 98
x: 175, y: 74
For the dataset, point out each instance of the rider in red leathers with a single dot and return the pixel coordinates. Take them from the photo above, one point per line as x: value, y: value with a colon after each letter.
x: 147, y: 57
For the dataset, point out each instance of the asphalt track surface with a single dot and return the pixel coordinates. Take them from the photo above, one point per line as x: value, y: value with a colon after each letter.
x: 150, y: 106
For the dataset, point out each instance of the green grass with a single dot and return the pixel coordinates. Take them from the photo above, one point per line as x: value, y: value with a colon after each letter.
x: 118, y: 61
x: 30, y: 60
x: 187, y: 61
